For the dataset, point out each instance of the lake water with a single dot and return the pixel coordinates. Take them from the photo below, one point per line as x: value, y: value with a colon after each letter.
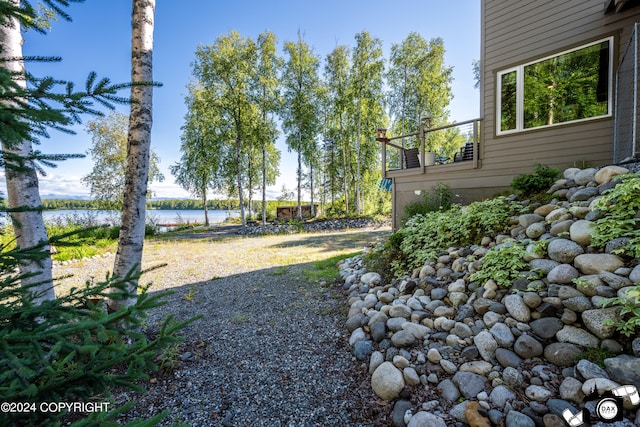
x: 156, y: 216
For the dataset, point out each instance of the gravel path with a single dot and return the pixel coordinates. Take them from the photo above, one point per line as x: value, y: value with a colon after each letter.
x: 271, y: 348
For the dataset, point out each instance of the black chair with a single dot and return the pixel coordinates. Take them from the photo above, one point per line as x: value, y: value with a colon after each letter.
x: 466, y: 153
x: 411, y: 159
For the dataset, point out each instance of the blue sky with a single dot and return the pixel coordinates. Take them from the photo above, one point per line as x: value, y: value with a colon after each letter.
x: 99, y: 37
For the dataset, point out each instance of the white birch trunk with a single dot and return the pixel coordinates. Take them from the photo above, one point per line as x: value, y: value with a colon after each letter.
x: 264, y: 183
x: 22, y: 185
x: 243, y: 217
x: 358, y: 202
x: 131, y: 240
x: 299, y: 174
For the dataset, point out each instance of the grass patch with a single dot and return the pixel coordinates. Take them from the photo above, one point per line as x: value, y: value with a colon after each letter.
x: 191, y: 295
x: 280, y: 271
x: 326, y: 269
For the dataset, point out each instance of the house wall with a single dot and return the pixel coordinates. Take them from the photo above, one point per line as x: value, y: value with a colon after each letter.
x: 513, y: 33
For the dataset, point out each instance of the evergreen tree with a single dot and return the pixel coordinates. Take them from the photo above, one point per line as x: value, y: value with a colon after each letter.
x: 29, y: 107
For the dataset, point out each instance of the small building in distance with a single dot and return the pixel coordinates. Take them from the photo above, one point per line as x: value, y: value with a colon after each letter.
x: 285, y: 213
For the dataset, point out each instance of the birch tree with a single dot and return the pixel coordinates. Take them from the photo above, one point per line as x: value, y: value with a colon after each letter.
x: 23, y: 197
x: 336, y: 75
x: 131, y: 239
x: 268, y: 101
x: 366, y: 80
x: 198, y: 170
x: 300, y: 115
x: 109, y: 154
x: 419, y: 82
x: 226, y: 69
x: 29, y: 106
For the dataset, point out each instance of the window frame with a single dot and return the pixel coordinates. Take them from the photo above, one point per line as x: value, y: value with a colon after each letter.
x: 519, y: 70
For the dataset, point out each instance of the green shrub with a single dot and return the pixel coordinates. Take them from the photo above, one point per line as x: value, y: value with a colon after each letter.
x: 503, y: 263
x: 619, y: 207
x: 71, y: 349
x: 424, y: 236
x: 629, y: 310
x: 540, y: 180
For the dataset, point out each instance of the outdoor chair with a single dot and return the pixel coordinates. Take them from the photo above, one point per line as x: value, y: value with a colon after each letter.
x: 466, y: 153
x: 411, y: 158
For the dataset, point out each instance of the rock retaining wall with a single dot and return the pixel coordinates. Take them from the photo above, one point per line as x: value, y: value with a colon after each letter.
x: 312, y: 226
x: 449, y: 351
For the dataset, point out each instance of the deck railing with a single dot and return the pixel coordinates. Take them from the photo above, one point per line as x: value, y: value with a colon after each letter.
x: 454, y: 143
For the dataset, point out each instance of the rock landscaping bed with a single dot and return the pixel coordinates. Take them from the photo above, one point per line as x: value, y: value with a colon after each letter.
x: 448, y: 350
x: 312, y: 226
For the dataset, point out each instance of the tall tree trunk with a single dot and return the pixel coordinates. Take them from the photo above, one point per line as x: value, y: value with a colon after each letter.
x: 358, y: 167
x: 313, y: 210
x: 22, y: 181
x: 131, y: 239
x: 299, y: 173
x: 250, y: 184
x: 204, y: 205
x: 345, y: 166
x: 264, y: 182
x: 243, y: 218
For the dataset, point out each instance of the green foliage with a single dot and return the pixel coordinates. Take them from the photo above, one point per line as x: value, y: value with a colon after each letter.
x: 439, y: 198
x: 629, y: 310
x: 300, y: 118
x: 619, y: 209
x: 72, y: 348
x: 541, y: 179
x: 595, y: 355
x: 423, y: 236
x: 109, y: 154
x: 503, y: 263
x: 419, y: 81
x: 327, y: 269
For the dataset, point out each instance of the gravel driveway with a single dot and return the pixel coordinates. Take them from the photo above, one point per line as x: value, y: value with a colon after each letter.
x: 271, y: 348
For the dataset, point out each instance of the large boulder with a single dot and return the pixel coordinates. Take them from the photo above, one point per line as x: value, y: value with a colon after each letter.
x: 564, y: 250
x: 387, y: 381
x: 595, y: 263
x: 607, y: 173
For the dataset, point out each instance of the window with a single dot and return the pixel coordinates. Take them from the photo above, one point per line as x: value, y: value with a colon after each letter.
x: 572, y: 86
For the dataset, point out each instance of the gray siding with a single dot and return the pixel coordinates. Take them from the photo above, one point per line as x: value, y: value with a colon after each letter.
x: 513, y: 33
x: 519, y: 32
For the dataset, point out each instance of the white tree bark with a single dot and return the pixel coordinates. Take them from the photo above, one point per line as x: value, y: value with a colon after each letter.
x: 22, y: 185
x: 131, y: 240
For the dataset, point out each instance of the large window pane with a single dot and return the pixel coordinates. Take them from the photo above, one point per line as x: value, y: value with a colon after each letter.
x: 508, y: 106
x: 568, y: 87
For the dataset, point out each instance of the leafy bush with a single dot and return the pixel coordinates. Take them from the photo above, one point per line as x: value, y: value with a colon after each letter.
x: 440, y: 198
x: 71, y: 348
x: 619, y: 207
x: 629, y: 310
x: 423, y: 236
x: 540, y: 180
x: 503, y: 264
